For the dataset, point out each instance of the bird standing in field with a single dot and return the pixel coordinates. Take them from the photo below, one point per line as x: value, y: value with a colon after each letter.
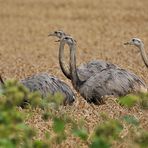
x: 108, y: 81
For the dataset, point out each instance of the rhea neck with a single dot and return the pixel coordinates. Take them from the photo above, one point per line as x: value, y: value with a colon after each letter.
x: 143, y: 54
x: 73, y: 70
x: 61, y: 60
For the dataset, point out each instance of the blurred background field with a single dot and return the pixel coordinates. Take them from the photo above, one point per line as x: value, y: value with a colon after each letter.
x: 100, y: 28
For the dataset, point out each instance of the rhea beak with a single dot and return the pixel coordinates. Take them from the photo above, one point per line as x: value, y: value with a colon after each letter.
x: 57, y: 41
x: 51, y: 34
x: 127, y: 43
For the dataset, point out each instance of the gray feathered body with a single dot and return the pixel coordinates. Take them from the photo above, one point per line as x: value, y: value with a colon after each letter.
x: 87, y: 70
x: 110, y: 81
x: 47, y: 84
x: 97, y: 79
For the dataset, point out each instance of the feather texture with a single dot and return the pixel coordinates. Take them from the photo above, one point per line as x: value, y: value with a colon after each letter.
x: 47, y: 84
x: 97, y: 79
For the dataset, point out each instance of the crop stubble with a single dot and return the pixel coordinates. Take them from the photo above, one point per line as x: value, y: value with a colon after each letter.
x: 100, y: 28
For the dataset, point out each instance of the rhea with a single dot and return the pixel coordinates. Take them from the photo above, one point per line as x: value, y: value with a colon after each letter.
x: 138, y: 43
x: 47, y: 84
x: 85, y: 70
x: 109, y: 81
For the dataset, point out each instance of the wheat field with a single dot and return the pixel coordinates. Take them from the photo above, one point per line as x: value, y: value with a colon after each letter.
x: 100, y: 28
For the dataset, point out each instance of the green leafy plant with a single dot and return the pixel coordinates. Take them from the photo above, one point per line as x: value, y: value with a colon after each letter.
x: 15, y: 133
x: 109, y: 130
x: 99, y: 143
x: 143, y: 100
x: 131, y: 120
x: 142, y: 139
x: 81, y: 133
x: 129, y: 100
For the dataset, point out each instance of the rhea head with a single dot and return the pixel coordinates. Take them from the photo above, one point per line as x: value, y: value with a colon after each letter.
x: 135, y: 41
x: 58, y: 34
x: 68, y: 40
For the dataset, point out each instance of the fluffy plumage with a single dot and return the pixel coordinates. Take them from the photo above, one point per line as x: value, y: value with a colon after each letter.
x: 85, y: 70
x: 45, y: 84
x: 110, y: 80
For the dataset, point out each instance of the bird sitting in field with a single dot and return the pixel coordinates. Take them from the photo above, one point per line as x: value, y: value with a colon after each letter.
x: 108, y: 81
x: 85, y: 70
x: 47, y: 84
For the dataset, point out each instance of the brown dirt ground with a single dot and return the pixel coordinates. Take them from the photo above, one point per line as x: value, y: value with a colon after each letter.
x: 100, y: 28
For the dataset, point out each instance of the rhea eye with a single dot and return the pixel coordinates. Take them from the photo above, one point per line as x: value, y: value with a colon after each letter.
x: 133, y: 40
